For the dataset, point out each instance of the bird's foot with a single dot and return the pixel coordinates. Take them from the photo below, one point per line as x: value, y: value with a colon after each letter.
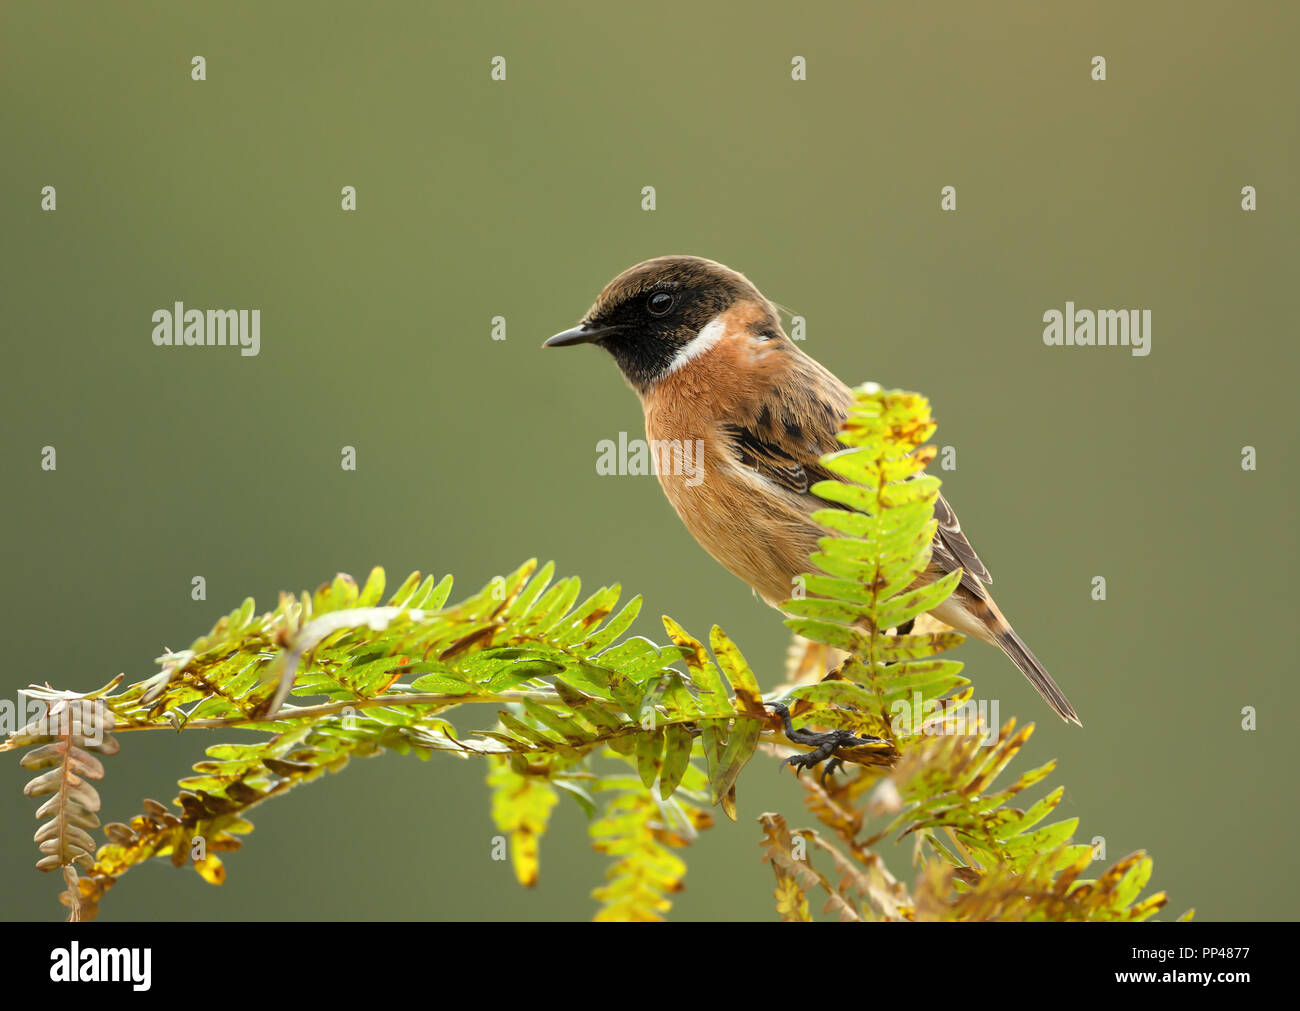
x: 825, y: 746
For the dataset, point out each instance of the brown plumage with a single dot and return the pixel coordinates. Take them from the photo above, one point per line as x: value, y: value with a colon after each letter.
x: 706, y: 354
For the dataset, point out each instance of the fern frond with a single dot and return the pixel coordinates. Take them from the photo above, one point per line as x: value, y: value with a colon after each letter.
x: 521, y: 806
x: 342, y: 673
x: 62, y: 740
x: 641, y: 831
x: 881, y: 546
x: 787, y: 852
x: 729, y: 730
x: 979, y: 858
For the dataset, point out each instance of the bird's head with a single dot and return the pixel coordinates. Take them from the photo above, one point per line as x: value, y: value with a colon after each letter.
x: 658, y: 315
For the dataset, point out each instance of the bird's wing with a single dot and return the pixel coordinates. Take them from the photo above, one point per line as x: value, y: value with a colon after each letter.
x: 771, y: 456
x: 956, y: 543
x: 785, y: 433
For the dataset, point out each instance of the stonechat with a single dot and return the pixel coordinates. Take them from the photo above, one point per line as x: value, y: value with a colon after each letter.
x: 706, y: 354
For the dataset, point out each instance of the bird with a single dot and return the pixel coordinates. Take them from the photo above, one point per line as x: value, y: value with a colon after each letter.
x: 705, y: 352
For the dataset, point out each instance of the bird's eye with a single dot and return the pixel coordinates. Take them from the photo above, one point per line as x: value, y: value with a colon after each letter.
x: 659, y: 303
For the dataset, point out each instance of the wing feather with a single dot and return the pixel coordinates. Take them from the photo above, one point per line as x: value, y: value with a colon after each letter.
x: 786, y: 433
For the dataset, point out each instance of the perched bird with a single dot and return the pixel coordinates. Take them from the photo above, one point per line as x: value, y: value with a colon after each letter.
x: 705, y: 352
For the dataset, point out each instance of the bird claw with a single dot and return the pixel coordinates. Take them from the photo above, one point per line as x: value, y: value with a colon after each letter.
x: 824, y: 745
x: 831, y: 767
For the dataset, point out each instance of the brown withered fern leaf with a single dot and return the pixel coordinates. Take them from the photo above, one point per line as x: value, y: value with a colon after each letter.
x: 65, y: 736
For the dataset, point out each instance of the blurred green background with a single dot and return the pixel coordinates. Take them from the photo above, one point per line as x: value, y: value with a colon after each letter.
x: 479, y: 198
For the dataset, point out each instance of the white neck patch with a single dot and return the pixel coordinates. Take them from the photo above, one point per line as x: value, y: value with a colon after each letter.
x: 712, y: 332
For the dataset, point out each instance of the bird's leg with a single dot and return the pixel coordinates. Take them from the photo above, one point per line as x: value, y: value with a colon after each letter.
x: 824, y: 745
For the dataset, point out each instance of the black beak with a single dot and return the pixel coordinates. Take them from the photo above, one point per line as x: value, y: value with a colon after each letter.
x: 584, y: 334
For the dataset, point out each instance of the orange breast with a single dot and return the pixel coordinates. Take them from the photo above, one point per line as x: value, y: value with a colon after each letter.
x: 758, y: 531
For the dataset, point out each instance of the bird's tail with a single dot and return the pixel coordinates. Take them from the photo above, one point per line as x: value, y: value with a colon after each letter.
x: 1022, y: 656
x: 979, y: 616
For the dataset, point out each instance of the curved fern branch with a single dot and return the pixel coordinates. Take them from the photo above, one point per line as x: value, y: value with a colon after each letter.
x: 344, y: 673
x: 566, y: 683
